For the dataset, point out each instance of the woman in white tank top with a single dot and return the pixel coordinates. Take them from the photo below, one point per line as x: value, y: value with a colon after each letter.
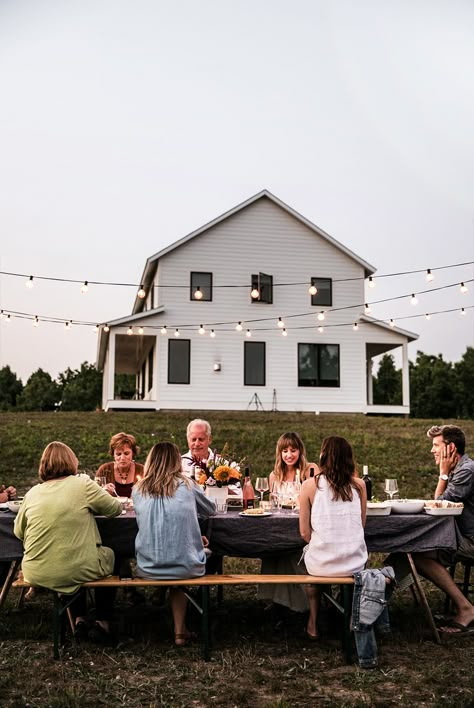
x: 332, y: 518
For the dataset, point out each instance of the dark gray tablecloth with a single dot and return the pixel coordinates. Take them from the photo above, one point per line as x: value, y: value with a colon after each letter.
x: 233, y: 535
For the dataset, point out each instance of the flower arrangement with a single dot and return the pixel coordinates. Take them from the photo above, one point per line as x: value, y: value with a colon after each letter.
x: 220, y: 469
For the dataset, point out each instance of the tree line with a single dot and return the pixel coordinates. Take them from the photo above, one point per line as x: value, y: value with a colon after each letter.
x: 438, y: 388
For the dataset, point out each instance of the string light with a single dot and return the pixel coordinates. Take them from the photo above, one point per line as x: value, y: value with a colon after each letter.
x: 197, y: 293
x: 213, y: 334
x: 96, y: 328
x: 392, y: 323
x: 371, y: 282
x: 463, y: 288
x: 106, y: 328
x: 321, y: 329
x: 367, y: 309
x: 414, y: 299
x: 140, y: 330
x: 238, y: 326
x: 463, y: 311
x: 321, y: 316
x: 130, y: 331
x: 141, y: 292
x: 255, y: 293
x: 429, y: 276
x: 281, y: 324
x: 36, y: 321
x: 284, y: 332
x: 313, y: 290
x: 68, y: 325
x: 355, y: 327
x: 176, y: 332
x: 85, y: 287
x: 29, y: 283
x: 163, y: 330
x: 428, y: 316
x: 8, y: 319
x: 248, y: 333
x: 202, y: 330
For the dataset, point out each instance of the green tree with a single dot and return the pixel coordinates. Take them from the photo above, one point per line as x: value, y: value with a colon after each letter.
x: 432, y: 387
x: 41, y: 393
x: 10, y: 388
x: 388, y: 382
x: 464, y: 373
x: 81, y: 388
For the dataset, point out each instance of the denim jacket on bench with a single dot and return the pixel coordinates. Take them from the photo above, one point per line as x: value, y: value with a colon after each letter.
x: 369, y: 607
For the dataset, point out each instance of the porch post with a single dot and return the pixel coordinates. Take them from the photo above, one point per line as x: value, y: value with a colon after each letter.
x: 154, y: 388
x: 370, y: 383
x: 405, y: 376
x: 111, y: 367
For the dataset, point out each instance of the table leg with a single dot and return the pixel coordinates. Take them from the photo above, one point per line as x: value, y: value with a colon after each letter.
x: 14, y: 565
x: 423, y: 600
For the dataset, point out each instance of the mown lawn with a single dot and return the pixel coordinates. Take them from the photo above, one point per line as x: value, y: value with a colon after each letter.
x: 258, y: 659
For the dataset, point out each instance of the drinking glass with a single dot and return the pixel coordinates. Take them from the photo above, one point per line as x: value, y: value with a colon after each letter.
x: 101, y: 481
x: 391, y: 487
x: 291, y: 489
x: 261, y: 486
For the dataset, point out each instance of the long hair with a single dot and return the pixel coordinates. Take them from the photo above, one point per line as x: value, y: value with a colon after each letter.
x: 162, y: 472
x: 337, y: 464
x: 284, y: 441
x: 57, y: 460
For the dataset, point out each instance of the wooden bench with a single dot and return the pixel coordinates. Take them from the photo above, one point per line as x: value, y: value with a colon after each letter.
x: 63, y: 602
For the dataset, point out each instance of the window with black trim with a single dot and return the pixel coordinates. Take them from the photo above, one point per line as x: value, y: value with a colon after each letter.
x: 254, y: 363
x: 201, y: 282
x: 179, y: 361
x: 264, y: 284
x: 324, y: 291
x: 318, y: 365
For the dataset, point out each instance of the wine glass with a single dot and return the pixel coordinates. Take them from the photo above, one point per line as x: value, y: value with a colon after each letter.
x: 261, y: 486
x: 101, y: 481
x: 391, y: 487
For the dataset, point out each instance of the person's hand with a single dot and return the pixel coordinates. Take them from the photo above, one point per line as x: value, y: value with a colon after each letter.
x: 3, y: 495
x: 11, y: 491
x: 205, y: 541
x: 110, y: 488
x: 449, y: 458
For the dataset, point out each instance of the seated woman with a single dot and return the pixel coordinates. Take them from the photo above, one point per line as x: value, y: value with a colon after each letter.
x: 62, y: 545
x: 169, y: 543
x: 7, y: 494
x: 123, y: 472
x: 332, y: 519
x: 291, y: 467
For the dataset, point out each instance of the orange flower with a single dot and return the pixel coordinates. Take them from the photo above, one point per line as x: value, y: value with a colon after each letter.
x: 202, y: 479
x: 223, y: 473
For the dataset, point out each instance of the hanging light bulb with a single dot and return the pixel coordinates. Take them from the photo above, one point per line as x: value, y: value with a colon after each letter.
x: 255, y: 293
x: 320, y: 330
x: 96, y: 328
x: 68, y: 325
x: 367, y: 309
x: 463, y: 311
x: 284, y: 332
x: 429, y: 276
x: 428, y: 316
x: 85, y: 287
x: 163, y: 330
x: 414, y: 299
x: 29, y: 283
x: 355, y: 327
x: 312, y: 289
x: 281, y: 324
x: 141, y: 292
x: 106, y: 328
x: 8, y: 318
x: 140, y: 330
x: 130, y: 331
x: 392, y: 323
x: 321, y: 316
x: 371, y: 282
x: 36, y: 321
x: 176, y: 332
x: 248, y: 333
x: 213, y: 334
x: 197, y: 293
x: 238, y: 326
x: 202, y: 330
x: 463, y: 288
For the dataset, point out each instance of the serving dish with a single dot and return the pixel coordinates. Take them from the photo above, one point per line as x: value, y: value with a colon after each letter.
x: 452, y: 511
x: 14, y: 506
x: 378, y: 508
x: 255, y: 512
x: 407, y: 506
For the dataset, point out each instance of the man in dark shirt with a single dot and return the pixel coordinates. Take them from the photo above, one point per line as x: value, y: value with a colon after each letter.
x: 456, y: 484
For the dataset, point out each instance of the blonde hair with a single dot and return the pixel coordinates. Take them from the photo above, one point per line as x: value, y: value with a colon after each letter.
x: 203, y: 423
x: 57, y: 460
x: 121, y: 439
x: 163, y: 471
x: 284, y: 441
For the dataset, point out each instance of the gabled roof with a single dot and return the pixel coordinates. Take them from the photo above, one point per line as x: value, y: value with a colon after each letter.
x: 411, y: 336
x: 151, y: 263
x: 102, y: 342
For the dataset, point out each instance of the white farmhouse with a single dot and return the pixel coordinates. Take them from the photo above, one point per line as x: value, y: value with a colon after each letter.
x: 197, y: 339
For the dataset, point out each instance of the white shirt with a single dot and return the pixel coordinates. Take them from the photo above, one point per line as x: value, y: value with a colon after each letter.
x: 188, y: 464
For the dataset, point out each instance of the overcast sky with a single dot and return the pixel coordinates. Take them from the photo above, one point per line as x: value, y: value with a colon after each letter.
x: 126, y: 125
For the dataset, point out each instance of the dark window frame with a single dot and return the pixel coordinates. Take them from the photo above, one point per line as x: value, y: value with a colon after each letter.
x: 321, y: 383
x: 265, y: 288
x: 247, y: 347
x: 171, y: 344
x: 316, y: 299
x: 203, y: 287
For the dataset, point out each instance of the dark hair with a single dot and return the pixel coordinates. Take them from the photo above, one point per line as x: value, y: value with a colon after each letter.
x: 57, y: 460
x: 337, y: 464
x: 121, y: 439
x: 451, y: 434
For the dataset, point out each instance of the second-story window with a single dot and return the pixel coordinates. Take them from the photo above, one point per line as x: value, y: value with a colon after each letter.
x: 201, y: 286
x: 262, y: 288
x: 323, y: 296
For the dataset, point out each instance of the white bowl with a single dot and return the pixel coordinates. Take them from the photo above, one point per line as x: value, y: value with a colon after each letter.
x: 378, y: 509
x: 14, y: 506
x: 407, y: 506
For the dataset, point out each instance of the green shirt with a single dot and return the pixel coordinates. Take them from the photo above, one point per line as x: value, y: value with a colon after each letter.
x: 62, y: 544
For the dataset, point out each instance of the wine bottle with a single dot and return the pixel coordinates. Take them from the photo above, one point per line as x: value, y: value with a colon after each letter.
x: 368, y: 482
x: 311, y: 471
x: 248, y: 494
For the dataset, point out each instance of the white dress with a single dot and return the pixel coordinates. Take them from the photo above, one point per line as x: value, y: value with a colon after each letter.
x: 337, y: 546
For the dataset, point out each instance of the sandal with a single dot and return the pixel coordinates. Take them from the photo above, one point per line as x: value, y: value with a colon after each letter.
x: 181, y: 639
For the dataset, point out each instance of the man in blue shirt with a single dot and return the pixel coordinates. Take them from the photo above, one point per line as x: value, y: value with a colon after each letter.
x: 456, y: 484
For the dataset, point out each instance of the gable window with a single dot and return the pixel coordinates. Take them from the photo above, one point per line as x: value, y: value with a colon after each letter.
x: 201, y: 283
x: 324, y: 291
x: 179, y: 360
x: 318, y: 365
x: 254, y: 363
x: 263, y: 284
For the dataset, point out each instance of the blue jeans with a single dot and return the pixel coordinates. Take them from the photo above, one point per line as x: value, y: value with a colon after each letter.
x: 369, y: 609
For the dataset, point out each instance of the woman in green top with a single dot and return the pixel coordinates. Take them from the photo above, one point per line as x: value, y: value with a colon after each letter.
x: 62, y: 545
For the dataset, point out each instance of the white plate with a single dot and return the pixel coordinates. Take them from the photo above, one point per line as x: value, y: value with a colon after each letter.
x: 255, y: 516
x: 453, y: 511
x: 407, y: 506
x: 378, y: 509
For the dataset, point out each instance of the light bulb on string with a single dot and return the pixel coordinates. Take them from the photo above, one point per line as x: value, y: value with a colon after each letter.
x: 320, y: 330
x: 463, y: 311
x: 8, y: 319
x: 429, y: 276
x: 29, y: 283
x: 414, y: 299
x: 281, y: 324
x: 36, y: 321
x: 284, y: 332
x: 176, y: 332
x: 96, y: 328
x: 428, y: 316
x: 140, y: 330
x: 106, y: 328
x: 463, y: 288
x: 321, y: 316
x: 201, y: 330
x: 371, y: 282
x: 85, y: 287
x: 163, y: 330
x: 255, y: 293
x: 68, y: 325
x: 141, y: 292
x: 392, y: 323
x: 367, y: 309
x: 313, y: 290
x: 238, y: 326
x: 355, y: 326
x: 130, y: 331
x: 248, y: 333
x: 197, y: 293
x: 213, y: 334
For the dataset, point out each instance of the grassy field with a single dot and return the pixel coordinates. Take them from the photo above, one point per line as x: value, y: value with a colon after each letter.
x: 257, y: 660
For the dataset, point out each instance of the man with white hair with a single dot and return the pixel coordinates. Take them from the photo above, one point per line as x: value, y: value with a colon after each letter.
x: 199, y: 437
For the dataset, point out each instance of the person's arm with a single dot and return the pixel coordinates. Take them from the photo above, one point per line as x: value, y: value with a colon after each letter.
x: 3, y: 494
x: 308, y: 490
x: 205, y: 507
x: 271, y: 481
x: 449, y: 460
x: 99, y: 501
x: 19, y: 527
x: 360, y: 485
x: 460, y: 487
